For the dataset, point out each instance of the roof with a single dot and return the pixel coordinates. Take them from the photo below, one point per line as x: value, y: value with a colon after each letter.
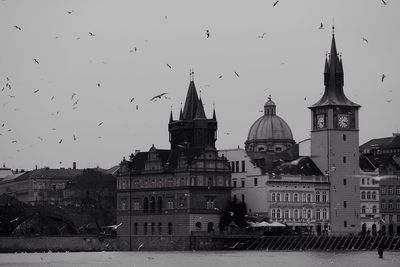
x: 44, y: 173
x: 12, y: 177
x: 380, y: 143
x: 270, y: 128
x: 5, y: 172
x: 334, y: 81
x: 190, y: 108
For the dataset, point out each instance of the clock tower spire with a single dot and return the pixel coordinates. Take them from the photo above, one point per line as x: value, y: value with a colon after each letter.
x: 334, y: 145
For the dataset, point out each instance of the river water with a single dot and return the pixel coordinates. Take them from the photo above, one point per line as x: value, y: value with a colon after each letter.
x: 203, y: 259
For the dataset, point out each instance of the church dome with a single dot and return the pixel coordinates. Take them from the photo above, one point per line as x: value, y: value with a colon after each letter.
x: 269, y: 132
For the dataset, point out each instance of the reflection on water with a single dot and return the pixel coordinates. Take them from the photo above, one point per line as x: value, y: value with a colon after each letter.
x: 201, y: 259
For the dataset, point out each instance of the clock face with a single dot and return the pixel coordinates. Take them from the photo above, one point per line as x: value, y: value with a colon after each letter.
x: 320, y: 121
x: 343, y: 121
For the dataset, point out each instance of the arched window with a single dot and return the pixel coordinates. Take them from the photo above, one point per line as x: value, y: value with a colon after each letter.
x: 317, y: 196
x: 324, y: 214
x: 304, y: 198
x: 159, y: 228
x: 135, y: 229
x: 278, y: 196
x: 170, y: 228
x: 324, y: 196
x: 152, y: 204
x: 287, y: 197
x: 374, y: 209
x: 159, y: 204
x: 309, y: 214
x: 210, y: 227
x: 273, y: 213
x: 198, y: 226
x: 374, y: 195
x: 145, y: 228
x: 153, y: 228
x: 273, y: 197
x: 318, y: 214
x: 296, y: 213
x: 278, y: 213
x: 145, y: 204
x: 363, y: 209
x: 210, y: 181
x: 286, y: 214
x: 363, y: 195
x: 368, y: 195
x: 295, y: 197
x: 308, y: 197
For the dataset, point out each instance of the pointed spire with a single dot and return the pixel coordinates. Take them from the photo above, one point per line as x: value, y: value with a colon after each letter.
x: 170, y: 116
x: 180, y: 113
x: 200, y: 114
x: 214, y: 116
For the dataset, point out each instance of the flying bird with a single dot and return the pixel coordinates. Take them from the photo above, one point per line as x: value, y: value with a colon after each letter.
x: 132, y: 99
x: 60, y: 141
x: 15, y: 141
x: 74, y: 137
x: 36, y: 91
x: 321, y: 26
x: 154, y: 98
x: 98, y: 85
x: 275, y: 3
x: 208, y: 33
x: 220, y: 76
x: 137, y: 107
x: 100, y: 124
x: 70, y: 12
x: 16, y: 27
x: 3, y: 125
x: 383, y: 77
x: 262, y: 35
x: 169, y: 66
x: 91, y: 34
x: 52, y: 98
x: 36, y: 61
x: 365, y: 40
x: 236, y: 74
x: 384, y: 2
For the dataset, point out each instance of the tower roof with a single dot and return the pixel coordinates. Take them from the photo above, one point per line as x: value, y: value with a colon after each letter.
x: 334, y: 81
x: 190, y: 108
x: 200, y: 114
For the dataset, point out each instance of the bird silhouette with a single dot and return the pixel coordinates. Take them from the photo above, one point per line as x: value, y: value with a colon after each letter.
x: 321, y: 26
x: 70, y: 12
x: 220, y: 76
x: 60, y: 141
x: 98, y: 84
x: 275, y: 3
x: 132, y: 99
x: 100, y: 124
x: 36, y: 61
x: 137, y: 107
x: 36, y: 91
x: 236, y: 74
x: 365, y: 40
x: 383, y: 77
x: 384, y: 2
x: 169, y: 66
x: 3, y: 125
x: 91, y: 34
x: 74, y: 137
x: 262, y: 35
x: 16, y: 27
x: 154, y: 98
x: 15, y: 141
x: 52, y: 98
x: 207, y: 33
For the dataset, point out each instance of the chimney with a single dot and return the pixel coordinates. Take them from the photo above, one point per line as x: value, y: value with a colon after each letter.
x: 74, y: 165
x: 36, y: 167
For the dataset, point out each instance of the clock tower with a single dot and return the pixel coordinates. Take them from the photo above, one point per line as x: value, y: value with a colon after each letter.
x: 334, y: 146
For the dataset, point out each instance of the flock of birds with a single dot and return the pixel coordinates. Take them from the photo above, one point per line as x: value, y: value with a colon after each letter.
x: 164, y: 95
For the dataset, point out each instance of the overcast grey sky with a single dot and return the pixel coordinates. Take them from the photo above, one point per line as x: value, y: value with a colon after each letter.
x: 287, y: 63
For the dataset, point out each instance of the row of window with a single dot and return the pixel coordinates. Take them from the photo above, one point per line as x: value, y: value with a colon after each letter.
x: 366, y: 210
x: 152, y: 230
x: 390, y: 205
x: 171, y: 182
x: 390, y: 190
x: 154, y: 204
x: 234, y: 165
x: 305, y: 197
x: 367, y: 181
x: 368, y: 195
x: 389, y: 218
x: 299, y: 214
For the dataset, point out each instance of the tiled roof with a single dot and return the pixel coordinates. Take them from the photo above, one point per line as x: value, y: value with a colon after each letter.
x: 386, y: 142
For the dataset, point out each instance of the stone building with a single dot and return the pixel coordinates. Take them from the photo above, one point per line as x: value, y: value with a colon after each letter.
x: 164, y: 195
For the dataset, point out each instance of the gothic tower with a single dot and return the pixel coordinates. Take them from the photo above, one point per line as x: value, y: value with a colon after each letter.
x: 334, y: 145
x: 192, y: 129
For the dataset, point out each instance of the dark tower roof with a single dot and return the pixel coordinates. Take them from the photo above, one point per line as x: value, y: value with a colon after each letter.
x: 190, y: 108
x: 200, y: 114
x: 334, y: 81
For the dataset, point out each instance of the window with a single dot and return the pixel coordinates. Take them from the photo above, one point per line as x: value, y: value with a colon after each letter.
x: 368, y: 195
x: 344, y: 204
x: 309, y: 214
x: 210, y: 204
x: 324, y: 214
x: 397, y: 190
x: 286, y: 214
x: 363, y: 209
x: 317, y: 196
x: 145, y: 228
x: 374, y: 195
x: 344, y: 137
x: 344, y: 181
x: 374, y: 209
x: 278, y: 213
x: 243, y: 166
x: 232, y: 166
x: 324, y: 196
x: 362, y: 181
x: 170, y: 228
x: 362, y: 194
x: 308, y: 197
x: 145, y: 204
x: 152, y: 204
x: 390, y: 190
x: 345, y: 224
x: 287, y: 197
x: 296, y: 213
x: 344, y: 159
x: 135, y: 229
x: 383, y: 205
x: 237, y: 166
x: 273, y: 197
x: 136, y: 205
x: 123, y: 204
x: 170, y: 204
x: 159, y: 228
x: 198, y: 226
x: 278, y: 196
x: 304, y: 197
x: 153, y: 228
x: 210, y: 181
x: 295, y: 197
x: 273, y: 213
x: 255, y: 181
x: 390, y: 206
x: 243, y: 184
x: 243, y: 198
x: 398, y: 220
x: 390, y: 218
x: 318, y: 214
x: 383, y: 190
x: 159, y: 204
x: 234, y: 183
x: 398, y: 205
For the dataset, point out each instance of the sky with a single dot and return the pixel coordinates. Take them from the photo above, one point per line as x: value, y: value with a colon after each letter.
x: 83, y: 84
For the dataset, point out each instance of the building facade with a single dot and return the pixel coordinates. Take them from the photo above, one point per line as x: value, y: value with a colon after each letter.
x: 369, y: 203
x: 335, y: 144
x: 164, y: 195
